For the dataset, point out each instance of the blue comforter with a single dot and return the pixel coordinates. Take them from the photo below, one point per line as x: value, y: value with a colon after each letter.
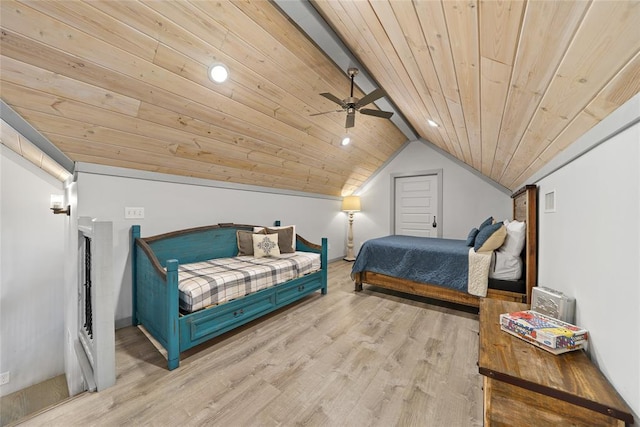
x: 443, y: 262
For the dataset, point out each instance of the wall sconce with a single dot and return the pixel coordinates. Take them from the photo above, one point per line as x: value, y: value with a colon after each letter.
x: 350, y: 204
x: 56, y: 205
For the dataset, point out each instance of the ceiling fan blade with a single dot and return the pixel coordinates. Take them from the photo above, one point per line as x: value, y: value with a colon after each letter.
x: 351, y: 118
x: 332, y: 97
x: 377, y: 113
x: 326, y: 112
x: 378, y: 93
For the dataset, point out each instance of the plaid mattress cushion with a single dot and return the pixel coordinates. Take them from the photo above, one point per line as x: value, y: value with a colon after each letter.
x: 215, y: 281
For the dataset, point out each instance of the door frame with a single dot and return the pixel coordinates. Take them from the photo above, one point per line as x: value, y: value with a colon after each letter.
x: 394, y: 176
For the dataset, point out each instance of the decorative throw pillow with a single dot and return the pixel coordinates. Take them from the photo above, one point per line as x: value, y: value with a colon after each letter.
x: 280, y: 238
x: 265, y: 245
x: 486, y: 222
x: 490, y: 238
x: 285, y: 238
x: 471, y: 238
x: 245, y: 242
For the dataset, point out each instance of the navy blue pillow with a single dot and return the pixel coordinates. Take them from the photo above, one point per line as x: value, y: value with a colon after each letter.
x: 486, y: 222
x: 471, y: 238
x: 493, y: 235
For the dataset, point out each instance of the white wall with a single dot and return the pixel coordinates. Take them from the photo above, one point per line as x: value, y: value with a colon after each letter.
x: 173, y: 206
x: 590, y: 249
x: 72, y: 369
x: 467, y: 199
x: 31, y: 274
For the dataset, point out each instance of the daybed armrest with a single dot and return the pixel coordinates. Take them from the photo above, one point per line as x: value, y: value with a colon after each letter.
x: 172, y: 306
x: 152, y: 257
x: 303, y: 244
x: 155, y: 296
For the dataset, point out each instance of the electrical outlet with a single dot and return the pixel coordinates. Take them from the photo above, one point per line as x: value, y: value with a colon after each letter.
x: 133, y: 213
x: 5, y: 377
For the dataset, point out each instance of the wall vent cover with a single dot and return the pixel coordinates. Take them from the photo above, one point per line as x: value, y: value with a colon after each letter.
x: 550, y: 201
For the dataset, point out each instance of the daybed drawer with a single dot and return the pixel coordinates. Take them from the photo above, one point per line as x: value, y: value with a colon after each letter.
x: 227, y: 316
x: 292, y: 291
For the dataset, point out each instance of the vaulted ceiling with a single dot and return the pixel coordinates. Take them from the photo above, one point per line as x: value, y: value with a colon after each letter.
x: 124, y: 83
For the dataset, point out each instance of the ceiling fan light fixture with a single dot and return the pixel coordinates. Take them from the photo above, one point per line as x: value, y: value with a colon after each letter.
x: 218, y: 73
x: 432, y: 123
x: 345, y: 141
x: 351, y: 104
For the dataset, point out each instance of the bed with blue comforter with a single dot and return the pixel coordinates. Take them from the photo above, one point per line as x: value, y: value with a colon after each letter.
x: 443, y: 262
x: 439, y: 268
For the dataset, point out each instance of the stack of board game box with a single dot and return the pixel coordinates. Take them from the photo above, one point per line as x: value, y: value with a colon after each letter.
x: 548, y: 333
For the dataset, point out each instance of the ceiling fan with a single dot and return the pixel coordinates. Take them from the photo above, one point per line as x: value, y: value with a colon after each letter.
x: 351, y: 104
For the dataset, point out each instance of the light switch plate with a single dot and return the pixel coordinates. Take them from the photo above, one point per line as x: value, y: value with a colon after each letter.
x: 133, y: 213
x: 5, y: 377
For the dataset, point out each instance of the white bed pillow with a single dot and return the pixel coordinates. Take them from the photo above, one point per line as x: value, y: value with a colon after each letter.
x: 505, y: 266
x: 293, y: 240
x: 514, y: 242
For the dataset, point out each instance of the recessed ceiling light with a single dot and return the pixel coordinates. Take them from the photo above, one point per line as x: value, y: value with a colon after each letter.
x: 432, y: 123
x: 345, y: 141
x: 218, y: 73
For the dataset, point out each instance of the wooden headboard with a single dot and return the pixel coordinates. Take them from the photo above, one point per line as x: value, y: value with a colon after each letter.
x: 525, y: 208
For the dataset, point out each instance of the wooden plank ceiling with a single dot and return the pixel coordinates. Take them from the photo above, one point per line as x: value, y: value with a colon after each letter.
x: 123, y: 83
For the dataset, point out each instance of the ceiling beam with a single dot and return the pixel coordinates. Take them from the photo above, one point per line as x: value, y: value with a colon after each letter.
x: 307, y: 18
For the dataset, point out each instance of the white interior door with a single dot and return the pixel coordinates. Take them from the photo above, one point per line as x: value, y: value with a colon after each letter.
x: 416, y: 206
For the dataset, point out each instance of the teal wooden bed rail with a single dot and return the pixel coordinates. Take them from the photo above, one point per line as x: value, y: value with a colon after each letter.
x: 155, y: 295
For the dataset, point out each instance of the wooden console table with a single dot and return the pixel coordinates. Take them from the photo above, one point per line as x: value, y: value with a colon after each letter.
x: 527, y: 386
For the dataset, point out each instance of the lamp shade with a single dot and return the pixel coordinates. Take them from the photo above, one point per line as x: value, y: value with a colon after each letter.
x: 56, y: 201
x: 351, y: 204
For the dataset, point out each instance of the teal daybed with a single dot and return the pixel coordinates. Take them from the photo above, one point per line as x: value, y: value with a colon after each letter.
x: 159, y: 305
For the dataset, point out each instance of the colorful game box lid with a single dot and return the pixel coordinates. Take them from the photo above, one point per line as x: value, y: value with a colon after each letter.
x: 549, y: 333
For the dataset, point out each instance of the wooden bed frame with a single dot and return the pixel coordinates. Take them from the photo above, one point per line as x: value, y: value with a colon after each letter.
x: 525, y: 208
x: 156, y: 296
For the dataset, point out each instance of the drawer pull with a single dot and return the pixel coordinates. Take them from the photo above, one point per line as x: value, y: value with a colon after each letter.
x: 300, y: 288
x: 239, y: 312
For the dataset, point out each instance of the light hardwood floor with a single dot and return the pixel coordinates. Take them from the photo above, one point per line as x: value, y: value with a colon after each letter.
x: 33, y: 399
x: 344, y: 359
